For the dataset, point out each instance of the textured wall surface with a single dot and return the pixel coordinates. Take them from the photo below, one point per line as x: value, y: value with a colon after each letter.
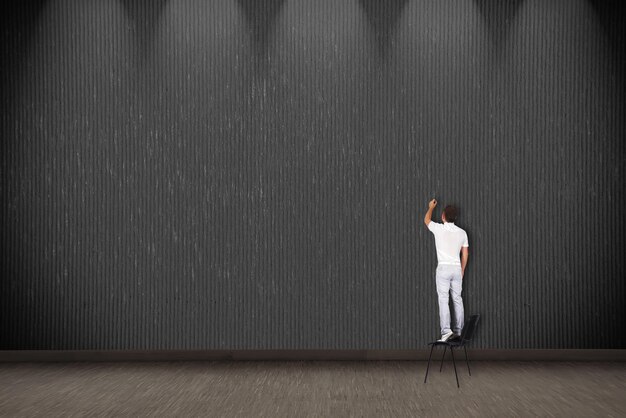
x: 244, y: 174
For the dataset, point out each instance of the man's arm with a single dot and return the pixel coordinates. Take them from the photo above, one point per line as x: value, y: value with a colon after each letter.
x: 429, y: 214
x: 464, y: 257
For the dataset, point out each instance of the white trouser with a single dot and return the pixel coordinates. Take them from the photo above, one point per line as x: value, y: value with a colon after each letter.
x: 448, y: 279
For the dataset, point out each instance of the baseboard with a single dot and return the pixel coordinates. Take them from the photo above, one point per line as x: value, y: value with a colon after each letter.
x: 237, y: 355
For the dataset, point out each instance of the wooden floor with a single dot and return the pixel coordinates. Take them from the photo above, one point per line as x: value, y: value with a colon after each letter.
x: 312, y: 388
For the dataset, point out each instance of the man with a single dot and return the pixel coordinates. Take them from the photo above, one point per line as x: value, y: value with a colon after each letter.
x: 450, y: 240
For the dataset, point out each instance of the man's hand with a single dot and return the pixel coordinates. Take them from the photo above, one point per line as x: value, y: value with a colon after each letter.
x: 432, y: 204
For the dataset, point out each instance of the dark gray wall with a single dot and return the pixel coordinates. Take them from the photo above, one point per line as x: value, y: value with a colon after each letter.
x: 227, y: 174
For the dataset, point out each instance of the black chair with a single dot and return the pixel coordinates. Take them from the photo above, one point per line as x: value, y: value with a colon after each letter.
x: 466, y: 337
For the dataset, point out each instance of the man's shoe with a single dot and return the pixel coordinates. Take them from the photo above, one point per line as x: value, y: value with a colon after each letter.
x: 445, y: 337
x: 455, y: 337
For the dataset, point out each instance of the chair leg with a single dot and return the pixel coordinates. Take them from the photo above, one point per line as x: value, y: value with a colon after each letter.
x: 454, y: 362
x: 445, y: 348
x: 429, y: 357
x: 467, y: 361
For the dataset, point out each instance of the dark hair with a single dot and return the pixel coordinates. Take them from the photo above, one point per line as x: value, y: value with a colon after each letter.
x: 451, y: 213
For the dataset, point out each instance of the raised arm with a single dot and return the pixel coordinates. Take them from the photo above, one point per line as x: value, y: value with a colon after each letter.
x: 429, y: 214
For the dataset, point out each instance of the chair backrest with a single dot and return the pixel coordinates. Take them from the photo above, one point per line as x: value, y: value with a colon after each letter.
x: 469, y: 328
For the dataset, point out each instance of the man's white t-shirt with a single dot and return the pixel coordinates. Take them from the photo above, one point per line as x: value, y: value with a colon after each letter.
x: 449, y: 239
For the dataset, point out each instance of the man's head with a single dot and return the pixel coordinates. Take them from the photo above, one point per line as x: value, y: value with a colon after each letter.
x: 449, y: 214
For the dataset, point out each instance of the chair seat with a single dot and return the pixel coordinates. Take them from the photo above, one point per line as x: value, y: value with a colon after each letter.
x: 453, y: 343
